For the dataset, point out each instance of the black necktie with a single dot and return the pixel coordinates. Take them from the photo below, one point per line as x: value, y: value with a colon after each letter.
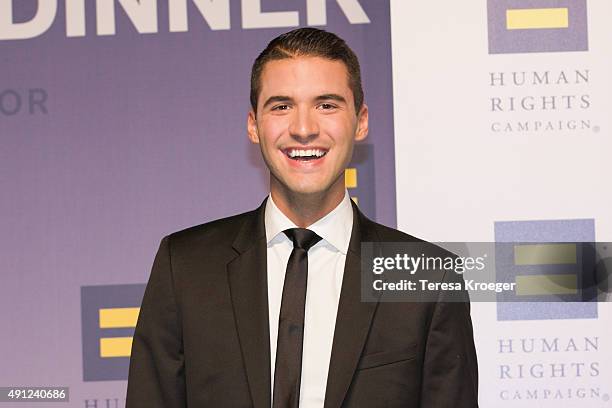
x: 288, y: 367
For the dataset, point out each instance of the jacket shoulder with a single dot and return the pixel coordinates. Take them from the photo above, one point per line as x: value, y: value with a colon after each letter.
x: 388, y: 234
x: 217, y: 232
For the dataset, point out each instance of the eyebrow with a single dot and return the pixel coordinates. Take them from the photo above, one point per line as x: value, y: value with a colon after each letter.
x: 324, y: 97
x: 277, y: 98
x: 330, y: 97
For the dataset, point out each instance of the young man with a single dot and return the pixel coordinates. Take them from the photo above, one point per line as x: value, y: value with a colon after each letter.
x: 263, y: 309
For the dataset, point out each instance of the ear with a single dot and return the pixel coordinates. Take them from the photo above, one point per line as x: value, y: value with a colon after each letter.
x: 362, y: 123
x: 252, y: 127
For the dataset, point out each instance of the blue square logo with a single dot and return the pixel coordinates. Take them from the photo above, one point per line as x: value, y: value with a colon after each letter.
x: 515, y: 244
x: 109, y: 314
x: 359, y: 179
x: 521, y: 26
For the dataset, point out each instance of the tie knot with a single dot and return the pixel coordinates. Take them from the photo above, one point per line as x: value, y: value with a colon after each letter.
x: 302, y: 238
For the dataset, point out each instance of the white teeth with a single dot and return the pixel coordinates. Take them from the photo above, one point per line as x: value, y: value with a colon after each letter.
x: 306, y: 153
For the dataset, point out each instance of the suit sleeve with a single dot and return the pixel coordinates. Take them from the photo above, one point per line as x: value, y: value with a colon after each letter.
x: 450, y: 373
x: 157, y: 366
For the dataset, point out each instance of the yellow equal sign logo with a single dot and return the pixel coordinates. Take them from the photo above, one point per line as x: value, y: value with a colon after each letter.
x: 546, y: 254
x: 350, y: 181
x: 116, y: 318
x: 530, y: 19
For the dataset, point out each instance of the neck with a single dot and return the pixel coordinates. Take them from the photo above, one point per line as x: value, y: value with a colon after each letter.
x: 306, y: 209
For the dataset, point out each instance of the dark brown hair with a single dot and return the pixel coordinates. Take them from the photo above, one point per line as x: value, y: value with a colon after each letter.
x: 308, y: 42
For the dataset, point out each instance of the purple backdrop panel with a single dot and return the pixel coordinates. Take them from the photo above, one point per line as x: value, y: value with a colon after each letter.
x: 120, y: 124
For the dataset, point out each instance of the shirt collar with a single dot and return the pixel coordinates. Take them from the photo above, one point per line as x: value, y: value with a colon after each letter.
x: 335, y: 227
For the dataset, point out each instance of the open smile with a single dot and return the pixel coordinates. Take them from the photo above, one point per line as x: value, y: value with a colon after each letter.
x: 300, y: 154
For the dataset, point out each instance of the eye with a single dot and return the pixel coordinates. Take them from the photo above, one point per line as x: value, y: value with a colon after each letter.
x: 282, y: 107
x: 327, y: 106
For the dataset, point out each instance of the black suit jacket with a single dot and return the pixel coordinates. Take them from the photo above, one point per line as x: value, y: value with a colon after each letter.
x: 202, y: 338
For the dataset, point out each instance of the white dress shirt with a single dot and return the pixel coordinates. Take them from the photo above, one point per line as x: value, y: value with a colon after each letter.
x: 325, y: 271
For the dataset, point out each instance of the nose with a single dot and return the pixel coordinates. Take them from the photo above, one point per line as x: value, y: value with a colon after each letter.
x: 304, y: 127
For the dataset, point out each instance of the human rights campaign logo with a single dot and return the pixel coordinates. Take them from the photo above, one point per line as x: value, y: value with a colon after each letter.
x: 517, y: 26
x: 550, y: 267
x: 359, y: 179
x: 109, y: 314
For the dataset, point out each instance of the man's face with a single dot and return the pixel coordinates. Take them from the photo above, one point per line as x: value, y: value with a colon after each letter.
x: 306, y: 124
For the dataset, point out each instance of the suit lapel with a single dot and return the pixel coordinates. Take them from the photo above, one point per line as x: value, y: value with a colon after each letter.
x: 247, y: 276
x: 354, y: 317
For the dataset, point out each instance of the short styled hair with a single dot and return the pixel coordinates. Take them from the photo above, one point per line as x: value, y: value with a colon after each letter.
x: 311, y: 42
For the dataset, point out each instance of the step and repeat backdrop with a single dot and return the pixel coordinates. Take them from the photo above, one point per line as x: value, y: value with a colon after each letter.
x: 124, y: 120
x: 121, y: 122
x: 502, y: 133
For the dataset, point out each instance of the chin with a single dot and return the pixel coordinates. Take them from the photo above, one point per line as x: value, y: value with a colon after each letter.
x: 314, y: 190
x: 308, y: 186
x: 307, y: 190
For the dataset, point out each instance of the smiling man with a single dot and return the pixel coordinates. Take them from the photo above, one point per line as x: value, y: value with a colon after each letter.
x: 263, y: 308
x: 306, y: 120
